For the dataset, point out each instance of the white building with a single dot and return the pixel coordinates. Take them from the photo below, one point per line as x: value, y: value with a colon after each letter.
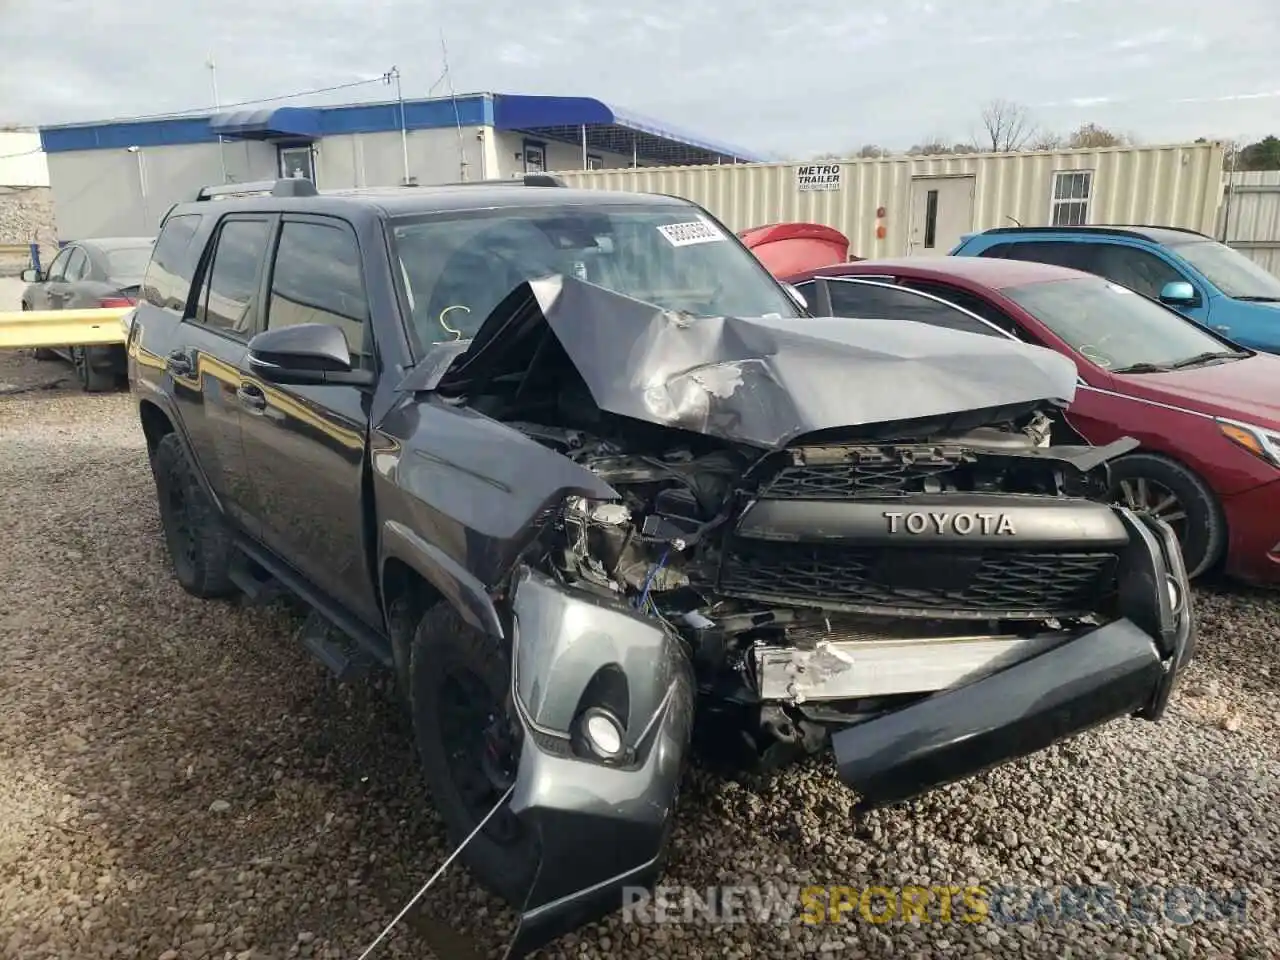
x: 118, y: 179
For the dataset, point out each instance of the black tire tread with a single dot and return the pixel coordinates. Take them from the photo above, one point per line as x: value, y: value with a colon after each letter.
x: 210, y: 576
x: 443, y: 634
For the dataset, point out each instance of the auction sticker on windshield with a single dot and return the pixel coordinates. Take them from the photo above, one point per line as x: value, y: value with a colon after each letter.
x: 687, y: 234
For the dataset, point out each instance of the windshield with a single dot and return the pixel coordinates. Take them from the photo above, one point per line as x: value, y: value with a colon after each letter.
x: 1112, y: 326
x: 128, y: 263
x: 457, y: 268
x: 1230, y: 271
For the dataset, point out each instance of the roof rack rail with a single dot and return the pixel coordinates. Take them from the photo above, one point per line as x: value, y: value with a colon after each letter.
x: 524, y: 179
x: 1116, y: 230
x: 288, y: 187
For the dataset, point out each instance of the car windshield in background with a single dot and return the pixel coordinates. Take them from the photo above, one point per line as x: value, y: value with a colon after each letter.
x: 1230, y: 271
x: 1116, y: 328
x: 456, y: 269
x: 128, y: 263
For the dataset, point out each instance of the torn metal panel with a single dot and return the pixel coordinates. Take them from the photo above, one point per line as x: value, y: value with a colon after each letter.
x: 763, y: 381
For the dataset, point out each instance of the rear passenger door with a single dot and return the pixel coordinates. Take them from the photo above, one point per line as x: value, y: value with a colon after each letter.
x: 205, y: 362
x: 306, y: 444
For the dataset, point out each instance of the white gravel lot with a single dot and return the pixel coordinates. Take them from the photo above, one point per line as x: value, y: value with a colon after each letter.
x: 179, y: 780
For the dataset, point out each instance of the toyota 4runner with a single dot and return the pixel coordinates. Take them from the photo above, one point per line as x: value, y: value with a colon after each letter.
x: 597, y: 490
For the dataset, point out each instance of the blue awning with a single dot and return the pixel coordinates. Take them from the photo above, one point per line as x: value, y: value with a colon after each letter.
x: 610, y: 129
x: 301, y: 123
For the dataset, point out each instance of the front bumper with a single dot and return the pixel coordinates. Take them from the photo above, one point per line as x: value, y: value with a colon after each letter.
x: 1253, y: 529
x: 601, y: 826
x: 1127, y: 667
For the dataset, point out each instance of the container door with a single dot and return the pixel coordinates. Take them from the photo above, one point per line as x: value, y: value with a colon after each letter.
x: 941, y: 213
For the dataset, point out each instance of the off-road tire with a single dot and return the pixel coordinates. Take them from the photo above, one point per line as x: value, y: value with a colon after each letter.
x: 444, y: 641
x: 91, y: 380
x: 1203, y: 534
x: 198, y: 541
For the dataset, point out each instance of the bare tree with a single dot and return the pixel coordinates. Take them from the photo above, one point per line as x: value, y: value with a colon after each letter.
x: 871, y: 151
x: 932, y: 147
x: 1045, y: 140
x: 1091, y: 135
x: 1006, y: 126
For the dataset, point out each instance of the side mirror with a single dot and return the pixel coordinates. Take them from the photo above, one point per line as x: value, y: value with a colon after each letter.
x: 796, y: 295
x: 307, y: 353
x: 32, y: 275
x: 1178, y: 293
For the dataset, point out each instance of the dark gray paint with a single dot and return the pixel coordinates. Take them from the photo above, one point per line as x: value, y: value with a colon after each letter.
x: 456, y: 496
x: 765, y: 381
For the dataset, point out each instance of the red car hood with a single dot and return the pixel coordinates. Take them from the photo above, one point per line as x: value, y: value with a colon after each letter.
x: 1247, y: 390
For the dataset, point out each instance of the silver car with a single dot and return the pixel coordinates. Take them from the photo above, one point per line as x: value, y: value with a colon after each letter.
x: 87, y: 274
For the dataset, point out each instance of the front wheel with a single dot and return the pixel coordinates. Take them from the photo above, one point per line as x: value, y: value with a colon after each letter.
x: 41, y: 353
x: 459, y: 680
x: 1154, y: 485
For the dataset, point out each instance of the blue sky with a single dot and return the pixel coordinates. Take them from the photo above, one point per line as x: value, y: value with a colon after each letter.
x: 794, y: 79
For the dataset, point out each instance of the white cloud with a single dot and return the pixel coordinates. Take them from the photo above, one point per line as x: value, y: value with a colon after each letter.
x: 796, y: 79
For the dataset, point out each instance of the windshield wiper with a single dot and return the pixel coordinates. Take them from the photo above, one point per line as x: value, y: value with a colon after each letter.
x: 1141, y: 368
x: 1259, y: 299
x: 1206, y: 357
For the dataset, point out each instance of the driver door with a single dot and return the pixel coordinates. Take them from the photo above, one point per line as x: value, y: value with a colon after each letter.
x: 306, y: 445
x: 53, y: 281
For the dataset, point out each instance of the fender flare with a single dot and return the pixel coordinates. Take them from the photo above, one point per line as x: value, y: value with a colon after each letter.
x: 460, y: 589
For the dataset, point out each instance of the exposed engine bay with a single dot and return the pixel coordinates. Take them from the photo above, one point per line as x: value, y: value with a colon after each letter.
x: 794, y: 628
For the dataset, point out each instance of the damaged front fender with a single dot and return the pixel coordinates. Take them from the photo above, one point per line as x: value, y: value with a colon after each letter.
x: 602, y: 820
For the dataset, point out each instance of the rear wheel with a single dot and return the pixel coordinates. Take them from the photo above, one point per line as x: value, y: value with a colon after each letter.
x: 459, y: 679
x: 91, y: 379
x: 1150, y: 484
x: 199, y: 544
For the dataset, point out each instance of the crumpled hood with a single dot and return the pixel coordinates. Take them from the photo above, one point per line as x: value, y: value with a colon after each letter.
x: 764, y: 381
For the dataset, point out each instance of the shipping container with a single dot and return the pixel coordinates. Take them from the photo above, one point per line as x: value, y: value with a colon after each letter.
x: 923, y: 205
x: 1249, y: 219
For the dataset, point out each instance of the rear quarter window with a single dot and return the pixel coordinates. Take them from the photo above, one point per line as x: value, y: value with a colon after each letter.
x: 173, y: 265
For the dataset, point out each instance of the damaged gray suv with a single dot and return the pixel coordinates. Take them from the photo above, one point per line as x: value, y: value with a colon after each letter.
x: 598, y: 491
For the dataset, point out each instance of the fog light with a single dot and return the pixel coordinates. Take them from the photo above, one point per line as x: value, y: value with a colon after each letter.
x: 603, y: 733
x: 1175, y: 596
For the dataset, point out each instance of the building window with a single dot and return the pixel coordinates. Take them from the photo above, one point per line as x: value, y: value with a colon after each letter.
x: 594, y: 162
x: 1070, y: 206
x: 297, y: 162
x: 535, y: 157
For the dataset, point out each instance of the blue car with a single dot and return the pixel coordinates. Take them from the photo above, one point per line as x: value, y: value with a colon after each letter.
x: 1193, y: 273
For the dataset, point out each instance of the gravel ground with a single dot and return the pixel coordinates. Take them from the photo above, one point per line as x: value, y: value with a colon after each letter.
x: 179, y: 779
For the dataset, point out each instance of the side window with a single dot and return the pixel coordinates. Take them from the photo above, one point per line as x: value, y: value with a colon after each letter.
x: 172, y: 266
x: 229, y: 298
x: 1060, y: 253
x: 77, y: 266
x: 967, y: 301
x: 863, y: 300
x: 999, y: 251
x: 59, y: 265
x: 1133, y: 268
x: 317, y: 279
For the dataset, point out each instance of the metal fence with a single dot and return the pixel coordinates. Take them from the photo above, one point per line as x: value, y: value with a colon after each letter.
x: 1249, y: 216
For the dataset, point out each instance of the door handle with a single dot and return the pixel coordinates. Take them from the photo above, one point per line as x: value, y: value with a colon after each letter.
x: 1222, y: 328
x: 251, y: 396
x: 178, y: 363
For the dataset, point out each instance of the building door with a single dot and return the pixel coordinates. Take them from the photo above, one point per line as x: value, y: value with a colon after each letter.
x: 941, y: 212
x: 297, y: 162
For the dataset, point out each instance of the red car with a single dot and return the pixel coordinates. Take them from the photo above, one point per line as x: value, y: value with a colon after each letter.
x: 1206, y: 411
